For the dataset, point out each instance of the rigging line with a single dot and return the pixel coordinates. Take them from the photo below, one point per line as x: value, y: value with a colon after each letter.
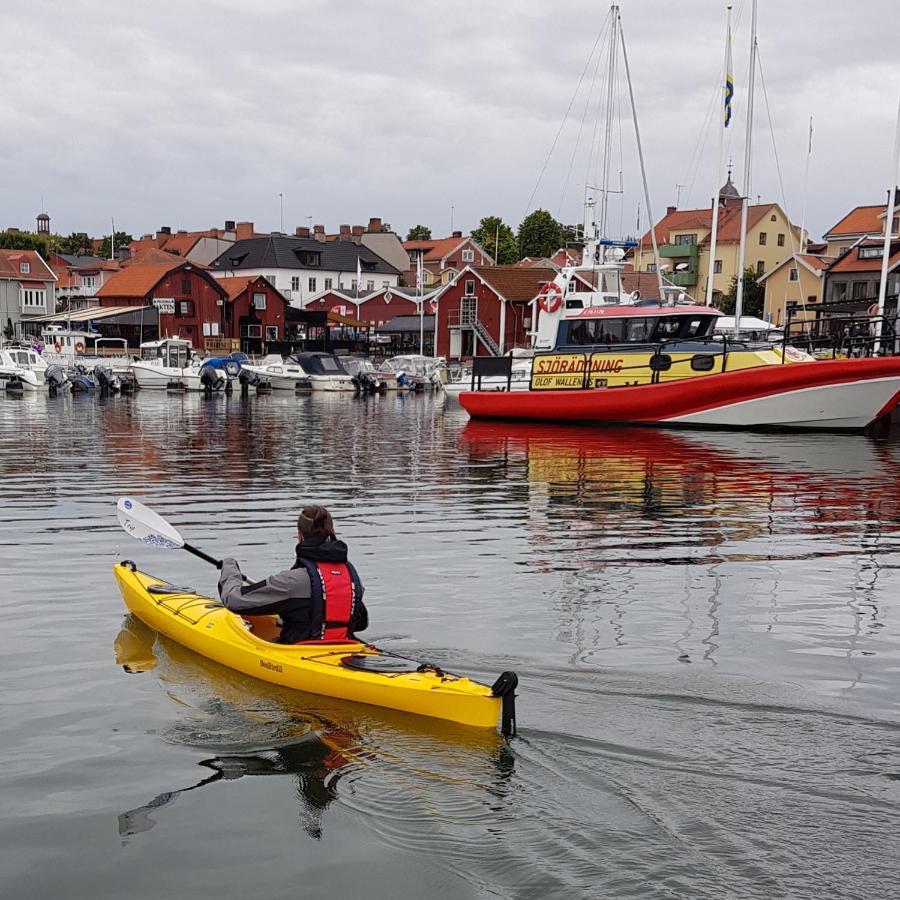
x: 580, y: 129
x: 762, y: 83
x: 566, y: 116
x: 621, y: 167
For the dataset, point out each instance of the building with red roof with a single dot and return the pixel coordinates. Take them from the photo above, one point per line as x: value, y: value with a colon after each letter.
x: 853, y: 280
x: 798, y: 280
x: 861, y: 222
x: 27, y: 291
x: 443, y: 258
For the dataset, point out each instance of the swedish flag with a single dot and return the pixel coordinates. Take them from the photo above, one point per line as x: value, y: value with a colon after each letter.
x: 729, y: 81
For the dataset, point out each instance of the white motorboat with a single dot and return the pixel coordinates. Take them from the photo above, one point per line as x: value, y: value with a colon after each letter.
x: 171, y: 363
x: 412, y: 371
x: 326, y: 373
x: 69, y: 348
x: 279, y: 374
x: 22, y: 367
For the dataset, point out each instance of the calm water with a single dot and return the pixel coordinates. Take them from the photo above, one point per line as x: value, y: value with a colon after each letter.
x: 706, y: 628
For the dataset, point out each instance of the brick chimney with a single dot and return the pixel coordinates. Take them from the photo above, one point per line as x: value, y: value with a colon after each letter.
x: 670, y: 210
x: 243, y: 231
x: 344, y: 232
x: 358, y: 231
x: 302, y: 231
x: 319, y: 233
x: 456, y: 234
x: 165, y: 229
x: 374, y: 225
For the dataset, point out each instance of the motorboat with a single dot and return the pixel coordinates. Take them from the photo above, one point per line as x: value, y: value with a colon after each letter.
x: 368, y: 379
x: 412, y: 371
x: 325, y: 372
x: 171, y: 363
x: 69, y: 348
x: 22, y: 367
x: 277, y: 373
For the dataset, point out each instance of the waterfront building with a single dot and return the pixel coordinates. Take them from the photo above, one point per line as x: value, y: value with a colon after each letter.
x: 200, y: 247
x: 860, y: 223
x: 27, y: 291
x: 256, y: 315
x: 443, y: 258
x: 373, y: 307
x: 797, y: 280
x: 854, y: 278
x: 683, y: 238
x: 80, y: 277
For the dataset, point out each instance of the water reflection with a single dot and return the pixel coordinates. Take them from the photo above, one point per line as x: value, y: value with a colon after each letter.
x: 318, y: 741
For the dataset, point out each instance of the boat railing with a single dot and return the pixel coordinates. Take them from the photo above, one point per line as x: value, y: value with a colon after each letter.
x: 842, y: 337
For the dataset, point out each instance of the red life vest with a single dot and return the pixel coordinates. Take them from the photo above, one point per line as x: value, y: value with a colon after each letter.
x: 338, y: 600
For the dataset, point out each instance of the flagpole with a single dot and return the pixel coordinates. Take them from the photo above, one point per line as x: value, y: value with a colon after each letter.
x: 420, y: 278
x: 727, y: 94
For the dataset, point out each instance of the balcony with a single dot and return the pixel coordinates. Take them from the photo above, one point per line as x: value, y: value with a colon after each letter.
x: 679, y: 251
x: 683, y: 279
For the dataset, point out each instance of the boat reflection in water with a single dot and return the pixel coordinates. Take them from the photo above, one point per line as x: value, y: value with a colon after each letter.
x: 313, y: 740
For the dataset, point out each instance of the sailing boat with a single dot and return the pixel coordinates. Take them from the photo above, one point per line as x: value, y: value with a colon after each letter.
x: 669, y: 370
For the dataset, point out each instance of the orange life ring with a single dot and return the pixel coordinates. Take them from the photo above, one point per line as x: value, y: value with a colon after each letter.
x: 58, y: 347
x: 550, y: 298
x: 79, y: 347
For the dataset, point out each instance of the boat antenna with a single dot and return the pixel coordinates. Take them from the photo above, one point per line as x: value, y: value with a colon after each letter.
x: 637, y: 134
x: 748, y: 144
x: 727, y: 95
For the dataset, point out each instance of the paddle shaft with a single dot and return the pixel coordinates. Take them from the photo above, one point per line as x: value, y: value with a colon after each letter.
x: 210, y: 559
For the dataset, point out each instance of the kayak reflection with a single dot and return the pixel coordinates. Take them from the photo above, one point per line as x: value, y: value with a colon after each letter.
x: 315, y: 741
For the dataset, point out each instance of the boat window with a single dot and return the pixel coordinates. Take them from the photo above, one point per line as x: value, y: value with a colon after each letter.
x: 703, y: 362
x: 660, y: 362
x: 696, y: 327
x: 638, y: 330
x: 667, y: 327
x: 329, y: 364
x: 574, y: 304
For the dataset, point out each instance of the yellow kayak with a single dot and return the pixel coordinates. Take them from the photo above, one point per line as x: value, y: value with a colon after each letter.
x: 349, y: 670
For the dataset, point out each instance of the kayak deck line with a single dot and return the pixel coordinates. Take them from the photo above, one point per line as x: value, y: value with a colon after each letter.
x: 348, y: 670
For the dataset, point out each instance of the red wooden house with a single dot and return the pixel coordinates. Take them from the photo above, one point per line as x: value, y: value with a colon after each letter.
x: 375, y: 307
x: 255, y: 312
x: 487, y: 309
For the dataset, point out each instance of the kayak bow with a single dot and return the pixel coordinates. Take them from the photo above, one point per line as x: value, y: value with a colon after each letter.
x: 348, y: 670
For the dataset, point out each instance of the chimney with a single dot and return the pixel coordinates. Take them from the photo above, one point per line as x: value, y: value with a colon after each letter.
x: 165, y: 229
x: 243, y: 231
x: 146, y: 237
x: 344, y: 231
x: 319, y: 233
x: 374, y: 225
x: 358, y: 231
x: 302, y: 231
x: 181, y: 231
x: 456, y: 234
x: 229, y: 224
x: 670, y: 210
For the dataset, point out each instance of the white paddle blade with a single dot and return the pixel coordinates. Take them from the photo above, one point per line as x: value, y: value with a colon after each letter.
x: 145, y: 525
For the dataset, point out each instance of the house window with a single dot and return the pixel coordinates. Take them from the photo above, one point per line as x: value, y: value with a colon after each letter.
x: 871, y: 252
x: 839, y: 290
x: 685, y: 239
x: 470, y: 288
x: 651, y: 267
x: 295, y: 282
x: 760, y: 268
x: 780, y: 240
x: 370, y: 285
x: 251, y: 331
x: 33, y: 299
x: 468, y: 255
x: 271, y: 279
x: 860, y: 290
x: 328, y: 283
x: 312, y: 285
x: 271, y: 333
x: 717, y: 267
x: 413, y: 258
x: 184, y: 308
x: 793, y: 274
x: 385, y: 284
x: 762, y: 239
x: 773, y: 218
x: 24, y: 268
x: 259, y: 301
x: 88, y: 281
x: 310, y: 258
x: 353, y: 285
x: 185, y: 285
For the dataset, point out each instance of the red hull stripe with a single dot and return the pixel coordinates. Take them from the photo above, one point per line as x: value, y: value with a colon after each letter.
x: 672, y: 400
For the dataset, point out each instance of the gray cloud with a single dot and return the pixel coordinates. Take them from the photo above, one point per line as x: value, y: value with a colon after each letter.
x: 189, y: 113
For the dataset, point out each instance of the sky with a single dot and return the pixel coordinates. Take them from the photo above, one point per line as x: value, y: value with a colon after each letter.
x: 187, y: 114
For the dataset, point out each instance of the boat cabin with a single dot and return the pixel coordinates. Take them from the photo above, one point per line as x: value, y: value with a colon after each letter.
x: 605, y: 325
x: 320, y: 364
x: 175, y: 353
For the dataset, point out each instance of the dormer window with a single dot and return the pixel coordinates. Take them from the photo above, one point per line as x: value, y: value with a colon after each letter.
x: 871, y: 252
x: 235, y: 261
x: 24, y: 268
x: 309, y: 259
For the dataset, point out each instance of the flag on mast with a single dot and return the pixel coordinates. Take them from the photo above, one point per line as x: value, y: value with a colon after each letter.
x: 358, y: 275
x: 729, y: 79
x: 420, y: 274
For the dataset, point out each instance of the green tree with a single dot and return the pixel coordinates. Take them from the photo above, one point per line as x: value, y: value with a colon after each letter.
x: 487, y: 233
x: 540, y: 234
x: 419, y: 233
x: 77, y: 243
x: 754, y: 296
x: 24, y: 240
x: 122, y: 240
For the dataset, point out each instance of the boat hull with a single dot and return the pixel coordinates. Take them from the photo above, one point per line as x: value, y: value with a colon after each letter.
x: 834, y: 395
x: 332, y: 383
x: 159, y: 378
x: 281, y: 378
x: 204, y: 626
x: 24, y: 379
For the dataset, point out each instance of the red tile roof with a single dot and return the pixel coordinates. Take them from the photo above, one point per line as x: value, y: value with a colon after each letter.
x: 10, y: 260
x: 850, y: 261
x: 815, y: 261
x: 437, y: 249
x: 729, y: 227
x: 153, y: 256
x: 235, y: 285
x: 861, y: 220
x: 137, y: 280
x: 515, y: 282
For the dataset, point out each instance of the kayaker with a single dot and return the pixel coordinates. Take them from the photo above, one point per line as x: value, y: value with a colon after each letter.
x: 319, y: 598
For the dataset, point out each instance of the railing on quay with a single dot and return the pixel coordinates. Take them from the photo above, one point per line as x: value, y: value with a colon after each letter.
x: 850, y: 337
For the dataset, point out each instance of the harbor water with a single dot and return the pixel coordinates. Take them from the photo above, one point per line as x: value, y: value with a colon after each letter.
x: 706, y: 628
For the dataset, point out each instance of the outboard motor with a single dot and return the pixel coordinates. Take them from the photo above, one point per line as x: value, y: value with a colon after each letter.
x: 212, y: 379
x: 404, y: 380
x: 248, y: 380
x: 56, y: 379
x: 107, y: 379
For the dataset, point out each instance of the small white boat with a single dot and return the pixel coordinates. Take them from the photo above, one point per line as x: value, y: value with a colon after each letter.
x: 412, y: 372
x: 22, y: 367
x: 69, y: 348
x: 171, y: 363
x: 326, y: 373
x: 279, y: 374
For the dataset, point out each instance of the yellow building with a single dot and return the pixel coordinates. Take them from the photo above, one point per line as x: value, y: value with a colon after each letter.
x: 683, y: 237
x: 798, y: 278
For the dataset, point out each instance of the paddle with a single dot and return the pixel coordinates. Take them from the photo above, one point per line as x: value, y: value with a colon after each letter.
x: 145, y: 525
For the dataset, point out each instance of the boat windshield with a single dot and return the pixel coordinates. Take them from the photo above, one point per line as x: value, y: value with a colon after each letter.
x: 632, y: 329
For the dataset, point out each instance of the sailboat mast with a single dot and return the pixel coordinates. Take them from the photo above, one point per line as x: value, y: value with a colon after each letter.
x: 888, y: 228
x: 727, y: 86
x: 610, y: 99
x: 748, y: 141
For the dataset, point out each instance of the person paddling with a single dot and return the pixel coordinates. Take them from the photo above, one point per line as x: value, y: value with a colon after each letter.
x: 319, y: 598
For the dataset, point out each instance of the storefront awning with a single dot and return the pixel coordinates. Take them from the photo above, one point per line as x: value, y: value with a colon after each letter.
x: 119, y: 315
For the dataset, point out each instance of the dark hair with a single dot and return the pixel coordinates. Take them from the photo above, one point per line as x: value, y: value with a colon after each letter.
x: 315, y: 521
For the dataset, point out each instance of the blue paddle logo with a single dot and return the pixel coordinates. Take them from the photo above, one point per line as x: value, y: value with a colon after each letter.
x: 127, y: 504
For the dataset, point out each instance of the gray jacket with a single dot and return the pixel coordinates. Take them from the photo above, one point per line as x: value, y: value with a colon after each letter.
x: 290, y: 587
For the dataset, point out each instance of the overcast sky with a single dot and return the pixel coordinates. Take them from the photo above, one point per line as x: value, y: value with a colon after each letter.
x: 187, y: 114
